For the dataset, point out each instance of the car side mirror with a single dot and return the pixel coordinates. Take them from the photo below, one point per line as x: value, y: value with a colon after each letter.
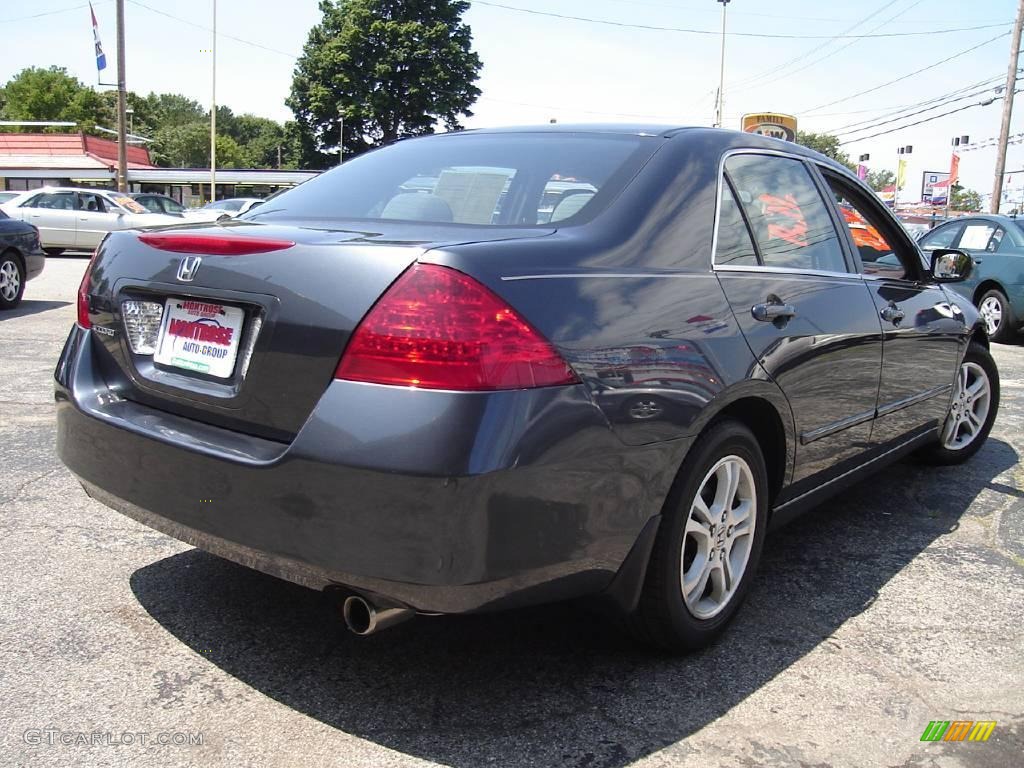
x: 950, y: 265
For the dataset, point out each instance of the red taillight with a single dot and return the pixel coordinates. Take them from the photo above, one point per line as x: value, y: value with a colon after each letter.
x: 436, y: 328
x: 83, y: 294
x: 213, y: 245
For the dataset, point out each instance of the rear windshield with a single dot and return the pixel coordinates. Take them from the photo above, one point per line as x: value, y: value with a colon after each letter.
x: 496, y: 180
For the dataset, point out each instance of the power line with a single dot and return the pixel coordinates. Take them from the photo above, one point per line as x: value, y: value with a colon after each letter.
x: 904, y: 77
x: 830, y: 20
x: 921, y: 122
x: 750, y: 81
x: 956, y: 95
x: 210, y: 29
x: 51, y: 13
x: 918, y: 112
x: 717, y: 33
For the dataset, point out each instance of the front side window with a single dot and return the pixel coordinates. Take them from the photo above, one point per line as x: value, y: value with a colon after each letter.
x: 788, y: 216
x: 866, y: 229
x: 500, y: 179
x: 942, y: 237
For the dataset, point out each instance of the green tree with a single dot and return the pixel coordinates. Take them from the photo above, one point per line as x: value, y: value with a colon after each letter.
x: 188, y: 146
x: 965, y: 200
x: 880, y: 179
x: 52, y: 94
x: 392, y: 68
x: 826, y: 144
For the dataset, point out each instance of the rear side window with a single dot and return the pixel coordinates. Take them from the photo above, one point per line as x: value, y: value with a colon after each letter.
x: 734, y: 244
x: 60, y: 201
x: 500, y: 179
x: 787, y: 214
x: 942, y: 237
x: 976, y: 237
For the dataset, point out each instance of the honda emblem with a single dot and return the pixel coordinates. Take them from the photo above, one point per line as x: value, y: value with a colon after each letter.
x: 188, y: 268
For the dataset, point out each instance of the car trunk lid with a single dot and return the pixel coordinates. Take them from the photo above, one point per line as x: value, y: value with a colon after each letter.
x: 283, y: 315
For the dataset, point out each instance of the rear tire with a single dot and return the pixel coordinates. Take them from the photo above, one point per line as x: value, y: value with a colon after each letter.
x: 998, y: 316
x: 53, y: 251
x: 972, y: 412
x: 12, y: 281
x: 708, y: 544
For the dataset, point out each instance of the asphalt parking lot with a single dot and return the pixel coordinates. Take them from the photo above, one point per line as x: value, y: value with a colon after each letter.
x: 899, y: 603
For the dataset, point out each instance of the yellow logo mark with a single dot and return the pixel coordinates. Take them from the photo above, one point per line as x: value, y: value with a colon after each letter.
x: 982, y: 730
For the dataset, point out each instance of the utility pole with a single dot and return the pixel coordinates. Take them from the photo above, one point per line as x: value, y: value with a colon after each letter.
x: 122, y: 139
x: 1004, y: 129
x: 721, y: 71
x: 213, y: 111
x: 341, y: 133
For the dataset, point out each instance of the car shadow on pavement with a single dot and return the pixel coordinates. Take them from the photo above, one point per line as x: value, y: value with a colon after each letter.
x: 560, y: 684
x: 31, y: 307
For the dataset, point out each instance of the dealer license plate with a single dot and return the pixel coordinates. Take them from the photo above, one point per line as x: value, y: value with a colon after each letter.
x: 200, y: 336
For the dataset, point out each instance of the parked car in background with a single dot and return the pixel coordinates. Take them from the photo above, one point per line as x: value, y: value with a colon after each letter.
x: 5, y: 196
x: 21, y: 259
x: 232, y: 206
x: 158, y: 203
x: 77, y: 219
x: 443, y: 397
x: 996, y: 284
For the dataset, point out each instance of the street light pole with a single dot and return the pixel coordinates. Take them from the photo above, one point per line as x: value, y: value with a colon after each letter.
x: 1004, y: 128
x: 721, y: 72
x: 122, y: 138
x: 213, y: 112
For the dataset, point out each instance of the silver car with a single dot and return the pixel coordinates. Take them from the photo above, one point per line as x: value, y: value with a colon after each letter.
x: 77, y: 219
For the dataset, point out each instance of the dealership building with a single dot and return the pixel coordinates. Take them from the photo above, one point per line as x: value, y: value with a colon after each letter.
x: 32, y: 160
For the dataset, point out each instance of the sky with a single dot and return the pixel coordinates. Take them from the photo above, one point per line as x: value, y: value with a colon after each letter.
x: 539, y: 67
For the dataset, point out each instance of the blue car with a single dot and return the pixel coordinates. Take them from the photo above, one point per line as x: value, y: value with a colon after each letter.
x: 996, y: 284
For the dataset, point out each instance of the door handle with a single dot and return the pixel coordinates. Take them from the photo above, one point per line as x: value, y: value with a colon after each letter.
x: 770, y: 313
x: 892, y: 314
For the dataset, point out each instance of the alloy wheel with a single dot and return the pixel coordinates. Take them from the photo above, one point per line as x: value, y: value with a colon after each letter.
x: 972, y: 398
x: 991, y: 311
x: 10, y: 280
x: 718, y: 537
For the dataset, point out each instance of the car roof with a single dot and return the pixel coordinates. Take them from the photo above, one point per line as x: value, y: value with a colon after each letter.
x: 997, y: 218
x: 71, y: 189
x: 715, y: 139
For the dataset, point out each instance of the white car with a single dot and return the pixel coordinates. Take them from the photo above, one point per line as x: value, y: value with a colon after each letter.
x: 77, y: 219
x: 231, y: 207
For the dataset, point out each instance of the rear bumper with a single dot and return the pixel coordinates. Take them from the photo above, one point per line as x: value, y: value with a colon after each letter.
x: 444, y: 502
x: 34, y: 263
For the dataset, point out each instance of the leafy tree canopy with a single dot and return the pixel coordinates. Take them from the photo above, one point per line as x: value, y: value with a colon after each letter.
x: 52, y: 94
x: 965, y: 200
x: 826, y: 144
x: 178, y: 125
x: 880, y: 179
x: 392, y: 68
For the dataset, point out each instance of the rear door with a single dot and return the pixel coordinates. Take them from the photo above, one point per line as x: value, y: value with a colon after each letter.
x: 53, y: 213
x: 922, y: 332
x: 806, y: 314
x: 96, y: 217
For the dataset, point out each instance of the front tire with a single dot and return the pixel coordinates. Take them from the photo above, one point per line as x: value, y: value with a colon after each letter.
x: 12, y: 281
x: 972, y: 412
x: 997, y: 314
x: 708, y: 544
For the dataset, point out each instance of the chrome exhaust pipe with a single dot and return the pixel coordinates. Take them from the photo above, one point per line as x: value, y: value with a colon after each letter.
x: 364, y: 618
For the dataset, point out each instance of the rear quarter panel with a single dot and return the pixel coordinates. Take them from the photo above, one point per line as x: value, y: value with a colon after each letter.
x: 631, y: 301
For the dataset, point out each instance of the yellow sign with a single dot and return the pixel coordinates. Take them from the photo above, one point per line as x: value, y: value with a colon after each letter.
x: 771, y: 124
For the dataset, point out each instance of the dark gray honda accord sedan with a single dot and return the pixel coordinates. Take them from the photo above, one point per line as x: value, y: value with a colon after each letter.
x: 495, y: 368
